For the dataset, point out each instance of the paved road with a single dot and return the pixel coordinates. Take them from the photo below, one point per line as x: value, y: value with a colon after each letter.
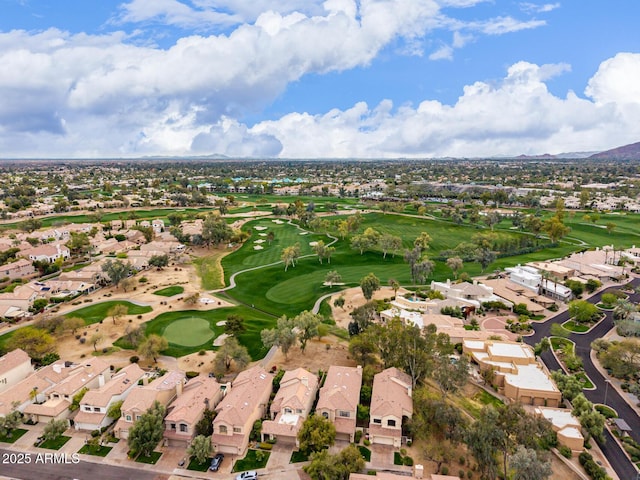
x: 13, y: 465
x: 619, y: 461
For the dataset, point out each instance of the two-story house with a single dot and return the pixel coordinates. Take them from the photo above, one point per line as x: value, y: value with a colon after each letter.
x: 245, y: 403
x: 73, y: 379
x: 96, y: 403
x: 391, y: 405
x: 339, y: 398
x: 162, y: 390
x: 14, y: 367
x: 184, y: 413
x: 291, y: 406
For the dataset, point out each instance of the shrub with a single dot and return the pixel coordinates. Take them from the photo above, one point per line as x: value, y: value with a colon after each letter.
x: 357, y: 436
x: 83, y: 340
x: 266, y: 445
x: 191, y: 374
x: 143, y: 280
x: 134, y: 359
x: 461, y: 473
x: 202, y: 352
x: 565, y: 451
x: 366, y: 442
x: 444, y: 470
x: 408, y: 461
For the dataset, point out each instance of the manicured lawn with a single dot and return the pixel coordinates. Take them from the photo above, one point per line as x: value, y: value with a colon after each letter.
x: 99, y: 311
x: 604, y: 306
x: 151, y: 459
x: 575, y: 327
x: 251, y: 462
x: 586, y: 383
x: 606, y: 411
x: 397, y: 458
x: 55, y: 444
x: 169, y: 291
x: 189, y: 331
x: 199, y: 467
x: 558, y: 343
x: 365, y: 452
x: 210, y: 271
x: 16, y: 433
x: 99, y: 451
x: 299, y: 456
x: 255, y: 322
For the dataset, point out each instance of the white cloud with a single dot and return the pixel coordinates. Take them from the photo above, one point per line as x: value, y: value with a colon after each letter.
x: 517, y: 116
x: 539, y: 8
x: 616, y: 80
x: 444, y: 52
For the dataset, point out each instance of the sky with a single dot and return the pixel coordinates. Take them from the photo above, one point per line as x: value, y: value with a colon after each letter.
x: 317, y: 79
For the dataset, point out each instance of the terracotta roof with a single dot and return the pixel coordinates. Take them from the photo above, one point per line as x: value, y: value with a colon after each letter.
x: 12, y: 360
x: 391, y: 394
x: 119, y: 383
x: 188, y: 406
x: 341, y: 389
x: 297, y: 389
x: 242, y: 400
x: 79, y: 375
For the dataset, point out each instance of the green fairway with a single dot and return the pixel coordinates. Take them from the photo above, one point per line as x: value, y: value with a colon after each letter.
x: 189, y: 332
x: 163, y: 325
x: 169, y: 291
x: 100, y: 311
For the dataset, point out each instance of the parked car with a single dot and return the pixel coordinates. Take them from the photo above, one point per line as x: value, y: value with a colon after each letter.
x: 216, y: 462
x: 252, y: 475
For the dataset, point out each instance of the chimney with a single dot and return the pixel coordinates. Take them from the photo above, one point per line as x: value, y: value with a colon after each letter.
x: 179, y: 386
x: 145, y: 380
x: 305, y: 381
x: 101, y: 380
x: 418, y: 471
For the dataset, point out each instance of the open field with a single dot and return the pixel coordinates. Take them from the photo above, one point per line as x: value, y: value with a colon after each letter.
x: 99, y: 311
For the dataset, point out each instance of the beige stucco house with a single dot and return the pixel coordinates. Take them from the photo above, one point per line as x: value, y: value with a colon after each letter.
x: 188, y: 408
x: 517, y: 373
x: 339, y: 398
x: 14, y: 367
x: 245, y: 403
x: 391, y: 406
x: 291, y: 406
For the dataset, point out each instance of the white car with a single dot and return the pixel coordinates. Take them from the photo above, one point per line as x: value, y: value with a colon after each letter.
x: 252, y: 475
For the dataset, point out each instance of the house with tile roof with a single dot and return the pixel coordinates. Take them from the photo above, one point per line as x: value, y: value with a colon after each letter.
x: 339, y: 398
x: 391, y: 406
x: 245, y: 403
x: 142, y: 397
x: 291, y: 406
x: 19, y: 269
x: 14, y: 367
x: 517, y: 373
x: 95, y: 404
x: 74, y: 378
x: 188, y: 408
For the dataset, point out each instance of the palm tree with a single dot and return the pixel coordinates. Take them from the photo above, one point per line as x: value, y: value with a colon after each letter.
x: 624, y: 309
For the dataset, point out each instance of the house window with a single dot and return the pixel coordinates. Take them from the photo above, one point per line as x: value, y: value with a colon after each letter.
x: 237, y: 430
x: 96, y: 409
x: 391, y: 423
x: 299, y: 411
x: 173, y: 426
x: 223, y: 429
x: 137, y: 417
x: 183, y: 427
x: 344, y: 413
x: 288, y: 410
x: 377, y: 420
x: 325, y: 414
x: 128, y: 417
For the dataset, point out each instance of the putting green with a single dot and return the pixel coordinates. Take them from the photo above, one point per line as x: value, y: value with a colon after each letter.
x: 189, y: 332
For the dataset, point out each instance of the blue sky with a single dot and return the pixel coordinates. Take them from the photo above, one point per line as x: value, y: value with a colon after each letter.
x: 313, y: 78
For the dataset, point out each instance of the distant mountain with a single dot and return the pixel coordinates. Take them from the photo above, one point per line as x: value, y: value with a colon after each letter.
x: 628, y: 152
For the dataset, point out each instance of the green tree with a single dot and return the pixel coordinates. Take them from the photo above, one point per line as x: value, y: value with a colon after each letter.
x: 290, y: 255
x: 395, y: 286
x: 485, y: 257
x: 117, y: 311
x: 306, y: 323
x: 592, y: 423
x: 200, y: 448
x: 77, y: 398
x: 389, y: 243
x: 34, y: 341
x: 231, y: 352
x: 116, y: 270
x: 147, y: 431
x: 582, y: 311
x: 609, y: 299
x: 316, y: 434
x: 54, y: 429
x: 115, y: 410
x: 555, y: 229
x: 234, y: 325
x: 569, y: 385
x: 73, y: 324
x: 95, y: 339
x: 215, y: 230
x: 369, y: 285
x: 325, y: 466
x: 79, y: 244
x: 159, y: 261
x: 204, y: 426
x: 455, y: 264
x: 283, y: 336
x: 151, y: 347
x: 527, y: 464
x: 449, y: 374
x: 422, y: 242
x: 332, y: 277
